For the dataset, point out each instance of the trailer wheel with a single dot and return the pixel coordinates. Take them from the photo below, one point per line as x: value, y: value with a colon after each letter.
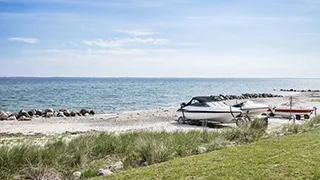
x: 240, y: 122
x: 298, y: 117
x: 266, y: 121
x: 271, y: 114
x: 306, y: 116
x: 181, y: 120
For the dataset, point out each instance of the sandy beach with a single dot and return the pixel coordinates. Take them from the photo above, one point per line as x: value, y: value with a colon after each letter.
x: 162, y: 119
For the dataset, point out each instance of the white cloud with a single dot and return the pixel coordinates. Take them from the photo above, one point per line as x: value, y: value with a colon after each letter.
x: 115, y: 42
x: 26, y: 40
x: 102, y: 43
x: 136, y: 32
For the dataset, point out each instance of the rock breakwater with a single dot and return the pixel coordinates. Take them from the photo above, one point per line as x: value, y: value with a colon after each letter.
x: 24, y: 115
x: 222, y: 97
x: 300, y: 90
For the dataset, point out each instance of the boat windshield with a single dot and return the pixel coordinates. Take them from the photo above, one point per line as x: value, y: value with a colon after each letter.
x: 195, y: 102
x: 222, y: 103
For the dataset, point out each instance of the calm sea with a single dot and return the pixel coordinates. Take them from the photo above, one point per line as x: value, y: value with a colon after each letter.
x: 109, y: 95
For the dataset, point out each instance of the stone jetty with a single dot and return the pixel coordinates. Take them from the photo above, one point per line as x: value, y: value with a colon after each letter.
x: 299, y: 90
x: 222, y: 97
x: 24, y: 115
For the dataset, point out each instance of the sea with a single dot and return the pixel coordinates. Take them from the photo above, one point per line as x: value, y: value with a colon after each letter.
x: 116, y: 95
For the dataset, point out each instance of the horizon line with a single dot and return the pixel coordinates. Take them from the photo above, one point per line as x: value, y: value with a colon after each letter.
x: 159, y: 77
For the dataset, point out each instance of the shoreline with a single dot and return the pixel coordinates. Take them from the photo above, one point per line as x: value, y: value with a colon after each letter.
x: 160, y: 119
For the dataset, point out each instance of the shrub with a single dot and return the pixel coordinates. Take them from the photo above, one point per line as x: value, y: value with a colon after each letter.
x: 247, y: 133
x: 311, y: 122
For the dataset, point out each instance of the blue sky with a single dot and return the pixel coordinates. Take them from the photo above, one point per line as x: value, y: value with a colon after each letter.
x: 168, y: 38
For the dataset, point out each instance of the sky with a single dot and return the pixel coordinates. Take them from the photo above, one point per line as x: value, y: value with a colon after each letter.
x: 167, y: 38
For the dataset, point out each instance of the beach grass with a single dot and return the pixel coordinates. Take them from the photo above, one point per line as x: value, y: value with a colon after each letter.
x: 287, y: 157
x: 315, y: 100
x: 89, y: 152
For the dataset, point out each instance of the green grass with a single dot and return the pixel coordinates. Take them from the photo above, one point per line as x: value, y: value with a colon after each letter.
x: 87, y: 153
x: 288, y: 157
x: 315, y: 100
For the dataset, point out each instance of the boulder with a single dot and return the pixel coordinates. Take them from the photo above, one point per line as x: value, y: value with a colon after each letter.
x: 50, y: 175
x: 84, y: 111
x: 73, y: 113
x: 3, y: 115
x: 39, y: 112
x: 49, y: 114
x: 22, y: 112
x: 202, y: 149
x: 115, y: 166
x: 14, y: 114
x: 86, y: 114
x: 24, y: 118
x: 104, y: 172
x: 60, y: 114
x: 92, y: 112
x: 65, y: 112
x: 12, y: 118
x: 77, y: 175
x: 316, y: 125
x: 222, y: 96
x: 32, y: 112
x: 50, y: 110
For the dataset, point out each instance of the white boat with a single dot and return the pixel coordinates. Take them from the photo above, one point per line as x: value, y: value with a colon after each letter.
x: 252, y: 109
x: 208, y: 108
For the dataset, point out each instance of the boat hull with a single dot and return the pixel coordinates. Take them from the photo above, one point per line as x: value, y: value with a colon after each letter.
x: 218, y: 116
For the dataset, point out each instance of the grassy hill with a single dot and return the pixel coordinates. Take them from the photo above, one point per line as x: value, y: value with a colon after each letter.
x: 288, y: 157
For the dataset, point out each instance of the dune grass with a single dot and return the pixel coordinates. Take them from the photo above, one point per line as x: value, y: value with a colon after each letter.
x: 87, y: 153
x: 287, y: 157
